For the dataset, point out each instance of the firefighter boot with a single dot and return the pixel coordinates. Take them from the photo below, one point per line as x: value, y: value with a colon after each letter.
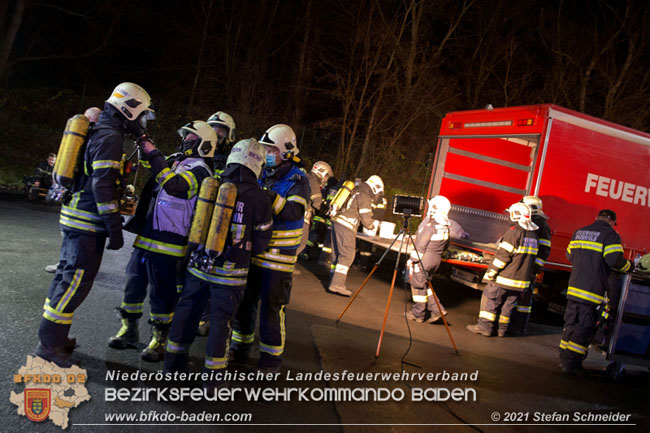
x: 128, y: 335
x: 478, y: 329
x: 155, y: 351
x: 59, y: 356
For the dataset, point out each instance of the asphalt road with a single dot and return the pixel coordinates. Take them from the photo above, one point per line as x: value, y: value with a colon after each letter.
x: 518, y: 381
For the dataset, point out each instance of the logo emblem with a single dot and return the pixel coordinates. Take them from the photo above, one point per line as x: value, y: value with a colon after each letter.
x: 37, y: 404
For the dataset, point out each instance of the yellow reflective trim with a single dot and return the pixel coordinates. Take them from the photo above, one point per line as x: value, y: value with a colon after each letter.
x: 52, y: 315
x: 297, y: 199
x: 278, y: 204
x: 614, y: 248
x: 626, y: 267
x: 81, y: 214
x: 584, y: 294
x: 586, y: 245
x: 512, y: 283
x: 164, y: 175
x: 487, y: 316
x: 106, y: 163
x: 563, y: 344
x: 243, y: 338
x: 75, y: 224
x: 272, y: 265
x: 545, y: 242
x: 160, y: 247
x: 71, y: 290
x: 507, y: 246
x: 276, y: 350
x: 575, y: 347
x: 499, y: 264
x: 419, y: 298
x: 526, y: 250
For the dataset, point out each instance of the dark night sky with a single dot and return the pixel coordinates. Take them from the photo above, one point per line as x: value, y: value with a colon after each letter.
x: 303, y: 62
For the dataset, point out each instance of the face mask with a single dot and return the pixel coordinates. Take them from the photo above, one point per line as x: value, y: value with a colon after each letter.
x: 270, y: 161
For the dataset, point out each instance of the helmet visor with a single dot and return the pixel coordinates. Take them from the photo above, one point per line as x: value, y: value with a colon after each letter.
x: 145, y: 117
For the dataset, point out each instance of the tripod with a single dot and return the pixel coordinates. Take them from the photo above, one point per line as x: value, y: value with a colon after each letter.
x: 404, y: 232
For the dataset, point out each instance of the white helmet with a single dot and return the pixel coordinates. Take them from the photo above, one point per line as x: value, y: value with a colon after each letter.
x: 224, y: 120
x: 438, y: 205
x: 282, y: 137
x: 322, y: 170
x: 205, y: 145
x: 132, y: 100
x: 521, y: 214
x: 248, y: 152
x: 376, y: 184
x: 535, y: 205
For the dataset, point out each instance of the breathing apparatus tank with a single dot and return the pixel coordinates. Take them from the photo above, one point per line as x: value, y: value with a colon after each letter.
x: 74, y: 136
x: 341, y: 197
x: 203, y: 212
x: 220, y: 223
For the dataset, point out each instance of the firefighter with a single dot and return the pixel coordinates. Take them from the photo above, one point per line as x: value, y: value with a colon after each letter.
x: 344, y: 228
x: 224, y: 126
x: 509, y: 273
x: 224, y: 279
x: 430, y: 243
x: 366, y: 249
x: 593, y: 251
x: 42, y: 178
x: 325, y: 238
x: 317, y: 177
x: 521, y: 314
x: 90, y: 217
x: 162, y: 222
x: 270, y: 274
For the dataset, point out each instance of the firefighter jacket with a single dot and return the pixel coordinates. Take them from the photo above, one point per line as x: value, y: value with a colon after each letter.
x: 594, y: 251
x: 93, y: 207
x: 358, y: 209
x: 379, y: 207
x: 291, y: 192
x: 164, y: 214
x: 512, y: 266
x: 250, y: 231
x: 43, y: 174
x: 544, y: 238
x: 315, y: 197
x: 432, y: 237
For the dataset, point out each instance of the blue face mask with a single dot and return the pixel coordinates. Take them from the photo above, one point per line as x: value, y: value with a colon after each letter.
x: 270, y: 160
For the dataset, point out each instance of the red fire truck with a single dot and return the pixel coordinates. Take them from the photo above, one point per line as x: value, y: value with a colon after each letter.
x: 488, y: 159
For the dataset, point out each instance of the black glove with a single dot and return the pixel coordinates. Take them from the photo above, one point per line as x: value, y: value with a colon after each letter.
x: 115, y: 241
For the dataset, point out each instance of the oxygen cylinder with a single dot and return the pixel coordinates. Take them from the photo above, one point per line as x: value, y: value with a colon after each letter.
x: 221, y: 215
x: 203, y: 212
x: 341, y: 197
x: 73, y: 139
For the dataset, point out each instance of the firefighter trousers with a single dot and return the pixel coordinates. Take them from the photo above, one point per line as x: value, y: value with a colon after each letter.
x: 579, y: 328
x: 521, y: 314
x: 344, y: 242
x: 79, y: 261
x: 496, y: 302
x: 272, y: 289
x: 223, y: 301
x: 422, y: 295
x: 158, y: 271
x: 304, y: 240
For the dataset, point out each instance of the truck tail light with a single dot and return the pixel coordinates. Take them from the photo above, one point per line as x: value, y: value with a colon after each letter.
x: 455, y: 125
x: 525, y: 122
